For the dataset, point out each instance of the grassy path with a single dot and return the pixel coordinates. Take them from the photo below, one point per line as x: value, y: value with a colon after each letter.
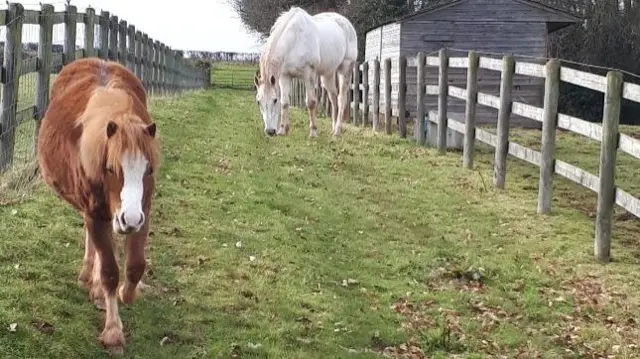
x: 298, y: 248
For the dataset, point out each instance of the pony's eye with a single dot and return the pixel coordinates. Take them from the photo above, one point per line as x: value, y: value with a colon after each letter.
x: 275, y: 100
x: 149, y: 171
x: 109, y: 169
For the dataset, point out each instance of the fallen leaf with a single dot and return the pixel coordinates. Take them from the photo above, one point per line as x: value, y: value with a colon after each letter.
x: 13, y: 327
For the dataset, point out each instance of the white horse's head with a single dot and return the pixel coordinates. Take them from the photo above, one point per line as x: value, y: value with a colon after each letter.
x: 267, y: 97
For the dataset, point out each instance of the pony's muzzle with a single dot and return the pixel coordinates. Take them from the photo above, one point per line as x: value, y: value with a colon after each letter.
x: 270, y: 131
x: 127, y: 222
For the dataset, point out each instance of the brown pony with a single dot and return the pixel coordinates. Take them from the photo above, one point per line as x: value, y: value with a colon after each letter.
x: 98, y: 150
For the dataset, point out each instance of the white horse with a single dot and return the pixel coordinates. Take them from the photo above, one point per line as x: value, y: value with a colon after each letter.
x: 305, y: 46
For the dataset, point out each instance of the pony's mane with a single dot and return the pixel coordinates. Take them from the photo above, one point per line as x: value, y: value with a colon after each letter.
x: 269, y: 63
x: 96, y: 151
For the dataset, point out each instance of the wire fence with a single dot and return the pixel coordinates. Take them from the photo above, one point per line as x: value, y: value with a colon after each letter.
x: 36, y: 44
x: 233, y: 75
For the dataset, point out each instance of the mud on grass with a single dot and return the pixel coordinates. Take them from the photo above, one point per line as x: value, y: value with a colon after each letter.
x: 363, y: 247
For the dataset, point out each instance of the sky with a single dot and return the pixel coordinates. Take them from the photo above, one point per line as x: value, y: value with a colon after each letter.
x: 206, y: 25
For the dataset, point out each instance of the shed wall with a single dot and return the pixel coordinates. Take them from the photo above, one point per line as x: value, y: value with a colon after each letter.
x: 527, y: 39
x: 383, y: 43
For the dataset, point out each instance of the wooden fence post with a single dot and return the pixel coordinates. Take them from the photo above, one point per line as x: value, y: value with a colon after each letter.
x: 89, y: 33
x: 131, y: 49
x: 156, y: 67
x: 419, y: 128
x: 113, y: 38
x: 365, y: 93
x: 11, y: 84
x: 387, y: 95
x: 608, y: 150
x: 70, y: 24
x: 104, y: 35
x: 122, y: 43
x: 145, y: 56
x: 502, y: 131
x: 170, y: 71
x: 356, y: 93
x: 375, y: 119
x: 163, y: 67
x: 443, y: 94
x: 138, y: 54
x: 402, y: 96
x: 470, y: 110
x: 45, y: 58
x: 549, y: 124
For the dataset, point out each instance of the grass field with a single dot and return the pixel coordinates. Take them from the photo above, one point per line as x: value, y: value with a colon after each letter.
x: 349, y: 248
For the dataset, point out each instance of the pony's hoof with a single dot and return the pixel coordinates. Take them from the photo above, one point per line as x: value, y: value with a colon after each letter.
x: 313, y: 134
x: 128, y: 295
x: 100, y: 304
x: 84, y: 281
x: 97, y: 297
x: 113, y: 340
x: 143, y: 286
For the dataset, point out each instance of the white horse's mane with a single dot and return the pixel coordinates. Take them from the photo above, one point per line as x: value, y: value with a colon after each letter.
x: 268, y: 62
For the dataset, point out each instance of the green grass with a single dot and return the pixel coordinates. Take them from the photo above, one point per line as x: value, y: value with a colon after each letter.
x: 358, y: 244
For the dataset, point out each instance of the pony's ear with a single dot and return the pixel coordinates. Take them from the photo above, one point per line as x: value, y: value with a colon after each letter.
x: 111, y: 128
x: 151, y: 129
x: 273, y: 80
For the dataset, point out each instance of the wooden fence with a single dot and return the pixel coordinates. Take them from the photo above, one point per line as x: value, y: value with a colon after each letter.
x: 611, y: 140
x: 162, y: 70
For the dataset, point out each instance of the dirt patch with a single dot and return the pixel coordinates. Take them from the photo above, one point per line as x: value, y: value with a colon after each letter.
x: 469, y: 279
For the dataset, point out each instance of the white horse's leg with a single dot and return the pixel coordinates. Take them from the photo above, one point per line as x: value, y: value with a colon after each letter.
x: 344, y: 79
x: 329, y: 82
x: 312, y: 101
x: 285, y: 89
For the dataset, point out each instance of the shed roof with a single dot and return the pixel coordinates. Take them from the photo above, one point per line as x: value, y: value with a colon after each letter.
x: 564, y: 18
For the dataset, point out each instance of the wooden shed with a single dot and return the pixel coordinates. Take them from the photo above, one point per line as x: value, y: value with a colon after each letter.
x: 518, y: 27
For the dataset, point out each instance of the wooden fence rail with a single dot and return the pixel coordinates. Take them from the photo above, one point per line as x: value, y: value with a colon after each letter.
x: 162, y: 70
x: 607, y: 133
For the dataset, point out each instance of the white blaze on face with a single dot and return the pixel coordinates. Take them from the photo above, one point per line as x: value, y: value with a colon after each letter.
x: 269, y: 107
x: 130, y: 217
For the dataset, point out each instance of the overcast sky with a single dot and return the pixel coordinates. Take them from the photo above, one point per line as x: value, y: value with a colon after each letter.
x: 208, y: 25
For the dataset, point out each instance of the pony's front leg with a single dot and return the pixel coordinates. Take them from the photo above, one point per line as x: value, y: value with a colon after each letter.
x: 84, y: 278
x: 112, y: 336
x: 135, y: 263
x: 285, y: 90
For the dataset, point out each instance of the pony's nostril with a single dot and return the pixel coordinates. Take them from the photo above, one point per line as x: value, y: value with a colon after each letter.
x: 124, y: 223
x: 141, y: 218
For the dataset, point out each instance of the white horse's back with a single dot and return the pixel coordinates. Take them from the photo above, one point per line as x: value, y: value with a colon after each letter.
x: 337, y: 41
x: 324, y: 41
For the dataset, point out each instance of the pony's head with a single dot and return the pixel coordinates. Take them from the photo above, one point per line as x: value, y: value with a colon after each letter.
x: 267, y: 97
x: 119, y: 154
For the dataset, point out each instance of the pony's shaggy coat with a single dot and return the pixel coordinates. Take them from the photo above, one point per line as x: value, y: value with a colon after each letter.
x: 97, y: 114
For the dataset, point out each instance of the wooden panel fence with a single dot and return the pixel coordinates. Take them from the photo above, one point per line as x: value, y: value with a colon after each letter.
x: 607, y: 134
x: 163, y: 71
